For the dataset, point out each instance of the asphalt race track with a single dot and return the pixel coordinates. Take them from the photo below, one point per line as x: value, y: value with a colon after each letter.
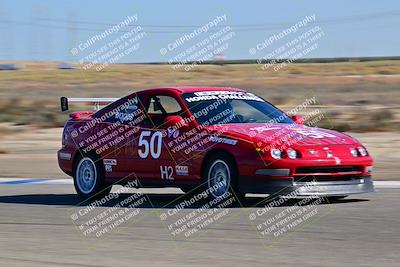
x: 37, y: 230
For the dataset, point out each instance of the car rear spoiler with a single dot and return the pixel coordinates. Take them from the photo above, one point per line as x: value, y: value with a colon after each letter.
x: 96, y: 101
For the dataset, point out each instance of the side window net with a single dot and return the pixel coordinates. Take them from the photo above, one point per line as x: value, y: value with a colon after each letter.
x: 160, y: 107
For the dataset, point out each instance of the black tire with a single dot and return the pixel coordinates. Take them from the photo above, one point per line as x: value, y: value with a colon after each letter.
x: 222, y: 161
x: 86, y: 169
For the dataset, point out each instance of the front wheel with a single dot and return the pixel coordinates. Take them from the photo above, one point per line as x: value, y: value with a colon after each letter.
x: 220, y: 177
x: 89, y: 178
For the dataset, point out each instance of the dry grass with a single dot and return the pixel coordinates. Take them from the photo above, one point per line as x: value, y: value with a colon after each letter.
x: 39, y: 72
x: 31, y: 95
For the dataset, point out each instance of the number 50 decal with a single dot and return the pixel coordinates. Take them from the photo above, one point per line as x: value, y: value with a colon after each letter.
x: 154, y: 147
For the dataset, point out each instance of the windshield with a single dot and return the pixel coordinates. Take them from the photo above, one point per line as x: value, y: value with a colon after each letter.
x: 222, y: 107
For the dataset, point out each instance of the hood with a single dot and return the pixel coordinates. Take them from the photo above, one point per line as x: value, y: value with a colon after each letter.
x: 295, y: 134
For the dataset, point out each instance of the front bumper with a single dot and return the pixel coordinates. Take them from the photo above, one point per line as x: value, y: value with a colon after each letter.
x: 360, y: 185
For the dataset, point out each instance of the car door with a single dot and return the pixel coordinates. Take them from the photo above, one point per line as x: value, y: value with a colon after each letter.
x: 157, y: 160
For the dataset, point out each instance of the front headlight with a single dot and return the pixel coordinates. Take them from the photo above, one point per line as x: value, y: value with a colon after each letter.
x: 354, y: 152
x: 276, y: 153
x: 363, y: 151
x: 291, y: 153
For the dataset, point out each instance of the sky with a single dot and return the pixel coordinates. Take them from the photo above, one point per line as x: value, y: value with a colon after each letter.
x: 49, y: 29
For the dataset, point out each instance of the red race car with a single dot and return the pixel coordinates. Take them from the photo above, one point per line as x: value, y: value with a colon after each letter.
x: 218, y: 139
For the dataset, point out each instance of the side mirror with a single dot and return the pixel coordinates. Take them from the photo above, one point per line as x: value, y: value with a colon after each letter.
x: 174, y: 122
x: 297, y: 119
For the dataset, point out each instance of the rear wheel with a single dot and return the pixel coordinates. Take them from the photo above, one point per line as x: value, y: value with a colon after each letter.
x: 89, y: 178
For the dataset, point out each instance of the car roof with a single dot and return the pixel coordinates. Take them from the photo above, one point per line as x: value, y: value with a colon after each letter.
x: 190, y: 89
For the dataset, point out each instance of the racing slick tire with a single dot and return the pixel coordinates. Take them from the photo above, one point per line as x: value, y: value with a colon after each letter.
x: 88, y: 174
x: 220, y: 178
